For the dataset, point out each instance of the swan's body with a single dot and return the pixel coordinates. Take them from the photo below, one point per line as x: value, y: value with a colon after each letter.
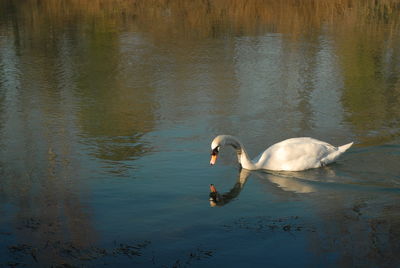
x: 289, y: 155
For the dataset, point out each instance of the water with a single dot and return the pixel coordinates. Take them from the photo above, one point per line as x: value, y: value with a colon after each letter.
x: 108, y: 109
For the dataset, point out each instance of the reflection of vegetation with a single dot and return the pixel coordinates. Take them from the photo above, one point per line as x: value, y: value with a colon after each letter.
x: 370, y: 66
x: 365, y: 37
x: 115, y: 114
x: 121, y: 148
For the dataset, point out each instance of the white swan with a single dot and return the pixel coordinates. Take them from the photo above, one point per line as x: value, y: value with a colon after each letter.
x: 289, y: 155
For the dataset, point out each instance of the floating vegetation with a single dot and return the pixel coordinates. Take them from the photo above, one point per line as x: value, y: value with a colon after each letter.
x: 71, y: 254
x: 262, y: 224
x: 197, y: 255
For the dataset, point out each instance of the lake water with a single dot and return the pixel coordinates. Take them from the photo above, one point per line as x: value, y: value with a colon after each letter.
x: 108, y: 109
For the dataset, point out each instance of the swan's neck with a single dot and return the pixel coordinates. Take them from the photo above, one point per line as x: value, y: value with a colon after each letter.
x: 245, y: 161
x: 243, y: 157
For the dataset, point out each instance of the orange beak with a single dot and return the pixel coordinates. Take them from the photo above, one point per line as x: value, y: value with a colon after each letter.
x: 213, y: 159
x: 214, y: 155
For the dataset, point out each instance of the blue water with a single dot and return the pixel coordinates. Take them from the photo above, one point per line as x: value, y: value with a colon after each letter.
x: 105, y: 132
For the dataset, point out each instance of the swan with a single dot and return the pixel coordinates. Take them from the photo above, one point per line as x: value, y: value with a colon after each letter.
x: 293, y: 154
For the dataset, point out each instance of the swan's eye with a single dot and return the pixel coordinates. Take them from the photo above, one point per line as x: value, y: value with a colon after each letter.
x: 215, y: 151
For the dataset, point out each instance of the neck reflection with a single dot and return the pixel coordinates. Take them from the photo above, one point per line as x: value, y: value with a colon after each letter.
x: 217, y: 199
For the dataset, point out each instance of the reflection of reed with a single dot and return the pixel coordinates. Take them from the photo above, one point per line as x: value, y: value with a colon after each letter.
x: 116, y: 107
x: 369, y: 60
x: 41, y: 174
x: 57, y: 212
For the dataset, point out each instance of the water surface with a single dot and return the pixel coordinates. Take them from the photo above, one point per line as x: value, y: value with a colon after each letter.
x: 108, y: 108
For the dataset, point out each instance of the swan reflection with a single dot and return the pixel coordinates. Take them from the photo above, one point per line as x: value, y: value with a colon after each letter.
x: 295, y: 182
x: 291, y: 184
x: 217, y: 199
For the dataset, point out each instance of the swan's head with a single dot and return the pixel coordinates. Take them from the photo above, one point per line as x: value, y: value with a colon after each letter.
x: 215, y: 146
x: 214, y: 196
x: 222, y: 140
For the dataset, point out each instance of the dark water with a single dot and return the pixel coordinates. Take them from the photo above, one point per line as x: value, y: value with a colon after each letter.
x: 108, y: 108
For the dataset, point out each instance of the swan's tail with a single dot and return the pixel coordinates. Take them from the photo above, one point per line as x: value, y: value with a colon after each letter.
x: 345, y: 147
x: 334, y: 155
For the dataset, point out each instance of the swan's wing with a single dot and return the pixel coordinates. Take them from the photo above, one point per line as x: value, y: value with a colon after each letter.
x: 295, y: 154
